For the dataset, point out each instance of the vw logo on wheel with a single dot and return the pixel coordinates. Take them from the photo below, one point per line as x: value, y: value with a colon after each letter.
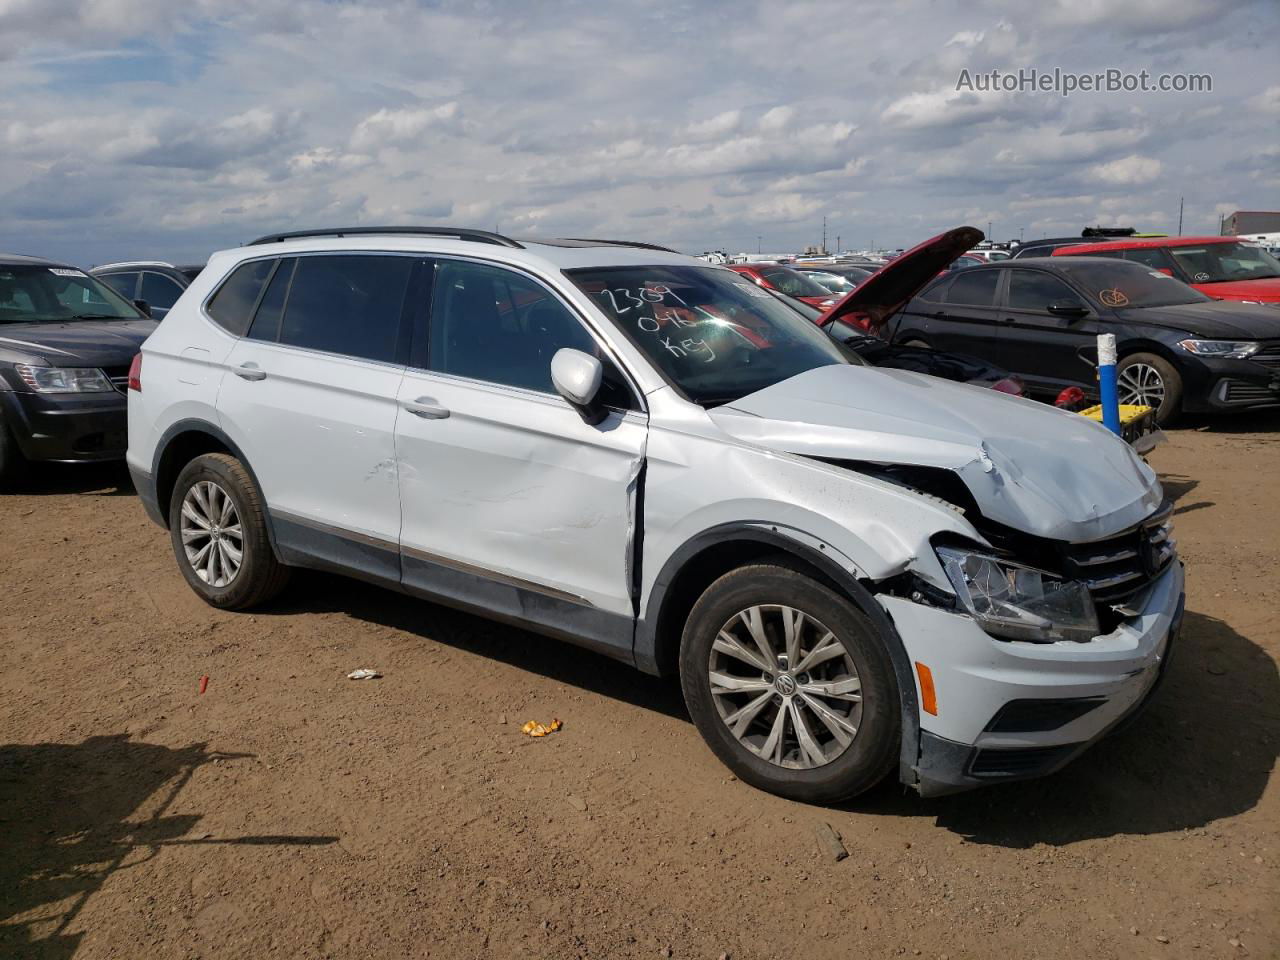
x: 785, y: 684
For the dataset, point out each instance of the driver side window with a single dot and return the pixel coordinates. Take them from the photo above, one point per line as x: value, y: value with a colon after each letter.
x: 495, y: 325
x: 1033, y: 290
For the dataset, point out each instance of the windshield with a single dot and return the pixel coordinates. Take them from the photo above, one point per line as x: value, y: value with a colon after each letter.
x: 712, y: 333
x: 1119, y: 283
x: 834, y: 283
x: 38, y: 294
x: 1219, y: 262
x: 793, y: 283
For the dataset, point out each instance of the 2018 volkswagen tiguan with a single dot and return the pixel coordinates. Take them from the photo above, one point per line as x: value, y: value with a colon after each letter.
x: 852, y: 570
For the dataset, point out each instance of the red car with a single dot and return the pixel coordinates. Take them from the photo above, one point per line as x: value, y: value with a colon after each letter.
x: 774, y: 276
x: 1225, y: 268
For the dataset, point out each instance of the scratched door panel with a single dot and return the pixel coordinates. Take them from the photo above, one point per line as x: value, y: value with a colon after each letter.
x: 317, y: 431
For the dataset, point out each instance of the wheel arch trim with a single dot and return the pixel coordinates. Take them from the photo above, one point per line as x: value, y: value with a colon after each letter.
x: 651, y: 651
x: 189, y: 426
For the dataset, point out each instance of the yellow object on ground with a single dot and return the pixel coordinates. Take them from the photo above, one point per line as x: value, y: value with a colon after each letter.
x: 1137, y: 424
x: 535, y: 729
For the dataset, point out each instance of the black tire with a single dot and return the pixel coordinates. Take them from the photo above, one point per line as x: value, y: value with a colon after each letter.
x: 260, y: 576
x: 1169, y: 408
x: 13, y: 465
x: 874, y: 749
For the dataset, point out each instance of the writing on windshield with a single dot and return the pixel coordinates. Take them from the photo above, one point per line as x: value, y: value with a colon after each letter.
x: 710, y: 333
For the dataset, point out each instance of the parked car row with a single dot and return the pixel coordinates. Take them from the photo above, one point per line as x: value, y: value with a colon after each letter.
x: 66, y: 342
x: 854, y: 572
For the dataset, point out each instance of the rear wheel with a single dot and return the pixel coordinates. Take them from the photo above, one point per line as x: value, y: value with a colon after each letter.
x: 1150, y: 380
x: 790, y: 685
x: 13, y: 465
x: 219, y: 534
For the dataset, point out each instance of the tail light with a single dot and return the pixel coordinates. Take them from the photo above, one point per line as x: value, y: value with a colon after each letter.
x: 135, y: 373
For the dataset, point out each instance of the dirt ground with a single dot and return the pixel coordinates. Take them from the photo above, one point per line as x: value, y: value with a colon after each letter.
x: 290, y: 812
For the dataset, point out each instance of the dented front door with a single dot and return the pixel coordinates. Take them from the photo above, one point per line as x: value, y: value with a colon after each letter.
x: 510, y: 502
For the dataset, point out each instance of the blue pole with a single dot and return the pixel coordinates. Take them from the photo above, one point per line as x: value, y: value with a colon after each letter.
x: 1107, y: 382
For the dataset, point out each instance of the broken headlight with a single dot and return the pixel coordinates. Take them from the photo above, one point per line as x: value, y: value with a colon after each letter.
x: 1020, y: 603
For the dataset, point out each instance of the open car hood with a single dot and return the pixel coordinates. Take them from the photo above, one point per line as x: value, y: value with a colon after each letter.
x: 1029, y: 466
x: 883, y: 293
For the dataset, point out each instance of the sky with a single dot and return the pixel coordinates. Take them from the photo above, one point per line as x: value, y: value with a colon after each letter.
x: 166, y: 129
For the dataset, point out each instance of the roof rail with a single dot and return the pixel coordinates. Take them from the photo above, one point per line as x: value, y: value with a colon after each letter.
x: 459, y: 233
x: 133, y: 263
x: 623, y: 243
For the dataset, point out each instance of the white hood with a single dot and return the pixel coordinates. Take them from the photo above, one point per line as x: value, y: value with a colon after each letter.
x: 1029, y: 466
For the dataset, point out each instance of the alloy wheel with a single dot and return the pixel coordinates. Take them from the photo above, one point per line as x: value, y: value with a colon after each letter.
x: 785, y: 686
x: 1140, y: 383
x: 212, y: 536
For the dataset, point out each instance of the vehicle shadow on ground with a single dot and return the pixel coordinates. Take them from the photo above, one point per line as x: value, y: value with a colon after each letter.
x: 1203, y: 749
x: 60, y: 479
x: 75, y: 813
x: 1176, y: 487
x: 557, y: 660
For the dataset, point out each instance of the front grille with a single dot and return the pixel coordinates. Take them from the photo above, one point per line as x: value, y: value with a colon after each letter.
x: 119, y: 377
x: 1268, y: 356
x: 1241, y: 391
x: 1025, y: 762
x: 1118, y: 567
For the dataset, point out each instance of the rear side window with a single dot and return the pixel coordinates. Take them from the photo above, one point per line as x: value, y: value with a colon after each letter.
x: 266, y: 322
x: 1033, y: 290
x: 349, y: 304
x: 974, y: 287
x: 232, y: 306
x: 159, y: 291
x: 122, y: 283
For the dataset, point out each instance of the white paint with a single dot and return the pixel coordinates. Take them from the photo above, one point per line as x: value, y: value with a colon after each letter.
x: 1107, y: 349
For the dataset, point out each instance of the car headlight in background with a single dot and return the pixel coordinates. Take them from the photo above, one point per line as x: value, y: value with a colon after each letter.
x: 1018, y: 602
x: 63, y: 379
x: 1225, y: 349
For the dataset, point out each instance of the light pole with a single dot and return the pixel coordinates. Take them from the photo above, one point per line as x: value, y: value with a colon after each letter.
x: 758, y: 240
x: 988, y: 229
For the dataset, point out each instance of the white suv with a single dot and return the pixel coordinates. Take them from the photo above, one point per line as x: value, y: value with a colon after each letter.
x: 852, y: 570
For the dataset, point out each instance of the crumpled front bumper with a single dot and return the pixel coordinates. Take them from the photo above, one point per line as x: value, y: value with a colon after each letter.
x: 1014, y: 710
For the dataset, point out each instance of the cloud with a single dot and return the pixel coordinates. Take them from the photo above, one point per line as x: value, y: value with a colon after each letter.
x: 1132, y: 170
x: 390, y: 127
x: 153, y: 128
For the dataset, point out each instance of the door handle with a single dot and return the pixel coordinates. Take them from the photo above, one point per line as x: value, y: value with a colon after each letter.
x: 427, y: 407
x: 250, y: 371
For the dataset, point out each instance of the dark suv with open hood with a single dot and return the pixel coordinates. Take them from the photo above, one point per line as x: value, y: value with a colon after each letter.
x: 66, y: 343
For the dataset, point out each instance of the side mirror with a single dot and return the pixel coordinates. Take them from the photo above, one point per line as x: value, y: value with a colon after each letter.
x: 576, y: 377
x: 1068, y: 308
x: 143, y: 306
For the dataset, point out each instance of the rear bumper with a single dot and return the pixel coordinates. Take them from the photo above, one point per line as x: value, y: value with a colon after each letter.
x: 145, y: 485
x: 67, y: 428
x: 1013, y: 711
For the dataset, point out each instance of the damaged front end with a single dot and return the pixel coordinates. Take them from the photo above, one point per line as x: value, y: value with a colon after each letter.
x: 1039, y: 618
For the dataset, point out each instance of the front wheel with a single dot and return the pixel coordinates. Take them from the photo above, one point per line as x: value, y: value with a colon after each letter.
x: 790, y: 685
x: 219, y: 534
x: 1152, y: 381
